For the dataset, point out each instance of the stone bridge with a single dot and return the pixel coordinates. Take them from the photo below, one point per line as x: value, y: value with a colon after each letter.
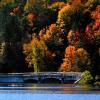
x: 41, y: 77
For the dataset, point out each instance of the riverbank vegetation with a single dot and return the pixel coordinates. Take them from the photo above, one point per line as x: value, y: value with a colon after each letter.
x: 50, y: 35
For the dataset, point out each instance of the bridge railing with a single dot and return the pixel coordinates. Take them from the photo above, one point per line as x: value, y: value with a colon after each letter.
x: 43, y: 73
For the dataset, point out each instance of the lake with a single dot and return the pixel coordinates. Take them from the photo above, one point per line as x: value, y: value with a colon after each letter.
x: 48, y: 92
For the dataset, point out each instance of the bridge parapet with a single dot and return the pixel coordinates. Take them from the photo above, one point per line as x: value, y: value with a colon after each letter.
x: 62, y: 76
x: 54, y: 73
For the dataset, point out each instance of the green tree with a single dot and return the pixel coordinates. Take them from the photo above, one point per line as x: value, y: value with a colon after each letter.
x: 11, y: 33
x: 35, y: 54
x: 2, y: 55
x: 37, y: 5
x: 86, y: 78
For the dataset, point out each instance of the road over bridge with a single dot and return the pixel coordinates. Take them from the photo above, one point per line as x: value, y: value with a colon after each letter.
x: 40, y: 77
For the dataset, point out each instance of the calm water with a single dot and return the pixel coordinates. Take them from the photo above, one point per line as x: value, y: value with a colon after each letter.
x: 48, y: 92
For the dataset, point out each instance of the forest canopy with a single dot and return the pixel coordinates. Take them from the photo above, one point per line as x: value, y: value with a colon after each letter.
x: 50, y: 35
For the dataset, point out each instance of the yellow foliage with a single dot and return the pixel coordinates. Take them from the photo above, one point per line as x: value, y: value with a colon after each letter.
x: 83, y: 57
x: 81, y: 52
x: 27, y: 47
x: 57, y: 5
x: 71, y: 36
x: 50, y: 31
x: 4, y: 2
x: 62, y: 11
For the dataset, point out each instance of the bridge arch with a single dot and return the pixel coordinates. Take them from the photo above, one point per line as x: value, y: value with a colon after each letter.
x: 31, y: 81
x: 50, y: 80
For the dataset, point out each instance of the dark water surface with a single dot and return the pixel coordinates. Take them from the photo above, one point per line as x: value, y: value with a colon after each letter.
x: 48, y: 92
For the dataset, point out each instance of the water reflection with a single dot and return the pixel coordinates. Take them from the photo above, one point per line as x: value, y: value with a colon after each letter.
x: 48, y: 88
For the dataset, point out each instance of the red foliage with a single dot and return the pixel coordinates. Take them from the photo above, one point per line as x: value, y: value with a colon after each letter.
x: 91, y: 30
x: 88, y: 29
x: 77, y: 35
x: 16, y: 9
x: 98, y: 8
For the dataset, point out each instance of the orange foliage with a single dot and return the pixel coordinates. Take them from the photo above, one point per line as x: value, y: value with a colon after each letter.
x: 65, y: 66
x: 30, y: 17
x: 76, y: 1
x: 42, y: 33
x: 70, y: 51
x: 52, y: 27
x: 70, y: 36
x: 27, y: 47
x: 61, y: 4
x: 50, y: 31
x: 69, y: 61
x: 74, y: 59
x: 96, y: 14
x: 73, y: 36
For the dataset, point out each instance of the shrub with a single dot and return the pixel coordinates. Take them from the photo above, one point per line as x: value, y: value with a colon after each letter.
x: 86, y: 78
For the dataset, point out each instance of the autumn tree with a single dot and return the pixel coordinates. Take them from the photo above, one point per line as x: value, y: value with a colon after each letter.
x: 53, y: 35
x: 83, y: 60
x: 35, y: 54
x: 93, y: 44
x: 69, y: 62
x: 71, y: 16
x: 92, y: 32
x: 76, y: 59
x: 55, y: 41
x: 74, y: 16
x: 80, y: 59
